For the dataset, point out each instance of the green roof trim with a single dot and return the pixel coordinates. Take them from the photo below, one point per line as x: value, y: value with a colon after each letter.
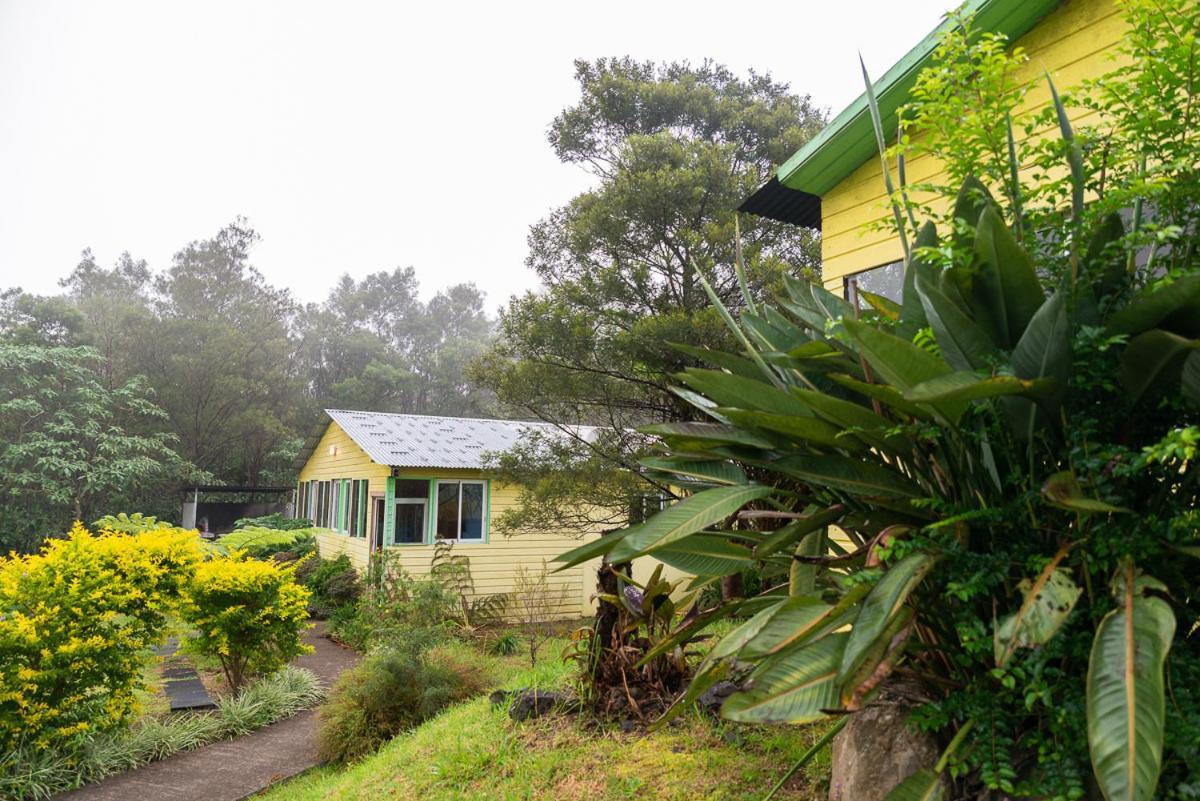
x: 849, y: 139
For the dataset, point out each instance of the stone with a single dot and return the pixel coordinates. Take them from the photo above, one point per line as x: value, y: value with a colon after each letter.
x: 529, y: 704
x: 877, y: 750
x: 712, y: 698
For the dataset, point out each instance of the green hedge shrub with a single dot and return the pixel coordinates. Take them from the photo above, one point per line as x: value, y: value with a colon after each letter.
x: 334, y: 584
x: 394, y: 690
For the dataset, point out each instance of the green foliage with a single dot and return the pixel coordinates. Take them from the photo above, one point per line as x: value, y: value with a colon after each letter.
x: 453, y: 572
x: 72, y: 440
x: 247, y: 614
x: 506, y: 644
x: 274, y: 521
x: 393, y: 690
x: 977, y: 531
x: 27, y: 774
x: 76, y: 621
x: 395, y: 607
x: 674, y: 149
x: 334, y: 584
x: 135, y: 523
x: 260, y: 543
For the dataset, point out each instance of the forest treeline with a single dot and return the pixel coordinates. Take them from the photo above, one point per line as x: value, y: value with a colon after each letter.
x: 132, y: 380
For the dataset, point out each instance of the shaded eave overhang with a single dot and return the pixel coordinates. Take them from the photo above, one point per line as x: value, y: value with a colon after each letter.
x: 848, y: 141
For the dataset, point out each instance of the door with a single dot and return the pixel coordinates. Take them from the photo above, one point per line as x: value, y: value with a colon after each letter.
x: 377, y: 534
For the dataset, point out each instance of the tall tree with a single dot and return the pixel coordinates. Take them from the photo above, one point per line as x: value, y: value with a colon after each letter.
x: 674, y: 148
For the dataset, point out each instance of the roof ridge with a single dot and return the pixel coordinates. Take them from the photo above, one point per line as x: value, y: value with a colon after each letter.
x: 453, y: 417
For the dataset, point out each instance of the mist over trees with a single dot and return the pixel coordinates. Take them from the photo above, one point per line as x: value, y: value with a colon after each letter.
x: 135, y: 380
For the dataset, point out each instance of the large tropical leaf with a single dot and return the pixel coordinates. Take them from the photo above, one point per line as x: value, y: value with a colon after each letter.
x: 686, y: 517
x: 1154, y: 357
x: 793, y: 688
x: 1043, y: 351
x: 797, y: 529
x: 879, y: 608
x: 969, y: 386
x: 1153, y: 308
x: 912, y: 311
x: 897, y: 361
x: 735, y: 364
x: 1062, y: 490
x: 743, y: 393
x: 715, y: 471
x: 864, y: 478
x: 1006, y: 292
x: 1191, y: 376
x: 705, y: 555
x: 810, y: 429
x: 1048, y: 600
x: 590, y: 550
x: 924, y: 785
x: 699, y: 436
x: 963, y: 342
x: 871, y: 428
x: 1125, y: 698
x: 788, y: 624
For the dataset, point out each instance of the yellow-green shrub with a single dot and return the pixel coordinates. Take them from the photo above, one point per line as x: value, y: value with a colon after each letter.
x: 248, y: 614
x: 75, y: 622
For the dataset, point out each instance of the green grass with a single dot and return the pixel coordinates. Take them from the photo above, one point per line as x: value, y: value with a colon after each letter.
x: 474, y: 752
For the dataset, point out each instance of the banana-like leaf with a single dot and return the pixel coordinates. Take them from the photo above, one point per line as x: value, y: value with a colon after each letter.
x: 886, y: 307
x: 1062, y: 490
x: 686, y: 517
x: 879, y: 608
x: 864, y: 478
x: 1006, y: 293
x: 1125, y: 697
x: 789, y: 624
x: 969, y: 387
x: 1049, y: 599
x: 709, y: 470
x: 1152, y: 309
x: 887, y: 395
x: 912, y: 311
x: 794, y: 531
x: 810, y: 429
x: 1191, y: 377
x: 591, y: 550
x: 899, y: 362
x: 1043, y: 351
x: 1104, y: 257
x: 689, y: 630
x: 924, y: 785
x: 719, y: 358
x: 973, y: 198
x: 1155, y: 357
x: 698, y: 436
x: 963, y: 342
x: 742, y: 393
x: 868, y: 426
x: 705, y: 555
x: 793, y: 688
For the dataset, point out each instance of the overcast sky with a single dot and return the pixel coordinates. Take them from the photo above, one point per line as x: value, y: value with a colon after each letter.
x: 355, y: 136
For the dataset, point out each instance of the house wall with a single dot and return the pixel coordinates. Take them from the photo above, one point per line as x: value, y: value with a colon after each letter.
x: 1075, y: 41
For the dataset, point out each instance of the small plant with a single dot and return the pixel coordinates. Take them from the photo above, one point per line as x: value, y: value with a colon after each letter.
x: 393, y: 690
x: 506, y: 644
x: 135, y: 523
x: 262, y: 543
x: 334, y: 584
x: 536, y: 603
x: 453, y: 571
x: 247, y: 614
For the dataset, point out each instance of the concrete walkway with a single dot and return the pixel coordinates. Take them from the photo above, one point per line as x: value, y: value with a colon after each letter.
x: 231, y: 770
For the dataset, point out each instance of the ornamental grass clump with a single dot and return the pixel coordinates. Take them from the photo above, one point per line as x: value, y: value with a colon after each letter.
x: 75, y: 622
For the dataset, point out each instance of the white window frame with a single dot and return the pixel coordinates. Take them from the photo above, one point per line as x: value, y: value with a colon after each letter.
x: 484, y: 512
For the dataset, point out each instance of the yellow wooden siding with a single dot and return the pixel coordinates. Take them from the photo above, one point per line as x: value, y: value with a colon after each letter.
x: 1073, y: 42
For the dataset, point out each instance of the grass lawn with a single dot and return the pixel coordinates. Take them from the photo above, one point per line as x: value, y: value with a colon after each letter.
x: 474, y: 751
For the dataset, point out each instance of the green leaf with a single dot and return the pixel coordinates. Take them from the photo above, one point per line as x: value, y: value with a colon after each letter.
x: 866, y: 425
x: 887, y: 395
x: 742, y: 393
x: 1191, y: 377
x: 808, y: 428
x: 1047, y: 602
x: 969, y: 387
x: 789, y: 624
x: 1125, y: 698
x: 719, y: 358
x: 703, y: 555
x: 1043, y: 351
x: 924, y: 785
x: 687, y: 517
x: 973, y: 197
x: 699, y: 436
x: 591, y: 550
x: 1154, y: 357
x: 794, y: 531
x: 912, y: 312
x: 1063, y: 490
x: 880, y: 606
x: 1152, y: 308
x: 898, y: 361
x: 715, y: 471
x: 1006, y: 292
x: 868, y: 479
x: 963, y: 342
x: 794, y: 688
x: 885, y: 306
x: 1104, y: 258
x: 705, y: 678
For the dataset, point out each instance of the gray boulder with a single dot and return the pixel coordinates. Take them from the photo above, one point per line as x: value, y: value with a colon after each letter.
x: 877, y: 750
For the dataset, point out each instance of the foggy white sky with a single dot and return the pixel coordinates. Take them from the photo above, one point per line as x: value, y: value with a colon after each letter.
x: 355, y: 136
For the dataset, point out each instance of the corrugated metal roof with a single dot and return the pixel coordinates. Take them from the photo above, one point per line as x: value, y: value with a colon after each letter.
x: 417, y: 440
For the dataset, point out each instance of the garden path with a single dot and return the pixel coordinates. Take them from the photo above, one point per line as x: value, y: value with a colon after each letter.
x: 231, y: 770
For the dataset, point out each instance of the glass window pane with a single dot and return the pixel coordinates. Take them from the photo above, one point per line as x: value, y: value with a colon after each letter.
x: 886, y: 280
x: 447, y: 510
x: 412, y: 488
x: 472, y: 512
x: 410, y: 523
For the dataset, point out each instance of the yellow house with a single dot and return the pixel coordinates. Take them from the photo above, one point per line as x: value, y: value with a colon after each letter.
x: 834, y: 183
x: 372, y: 481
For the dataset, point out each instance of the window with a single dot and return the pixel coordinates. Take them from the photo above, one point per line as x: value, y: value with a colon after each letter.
x: 886, y: 280
x: 460, y: 510
x: 412, y: 497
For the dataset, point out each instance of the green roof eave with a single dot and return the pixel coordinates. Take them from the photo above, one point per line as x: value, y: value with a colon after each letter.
x: 849, y: 139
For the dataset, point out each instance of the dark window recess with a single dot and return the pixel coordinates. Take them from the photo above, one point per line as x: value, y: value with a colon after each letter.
x: 447, y: 511
x: 412, y: 488
x: 886, y: 280
x: 409, y: 523
x: 353, y: 525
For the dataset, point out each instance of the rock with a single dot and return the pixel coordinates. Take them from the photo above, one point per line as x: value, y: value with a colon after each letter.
x: 628, y: 726
x: 502, y: 697
x: 528, y: 704
x: 877, y: 750
x: 715, y: 695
